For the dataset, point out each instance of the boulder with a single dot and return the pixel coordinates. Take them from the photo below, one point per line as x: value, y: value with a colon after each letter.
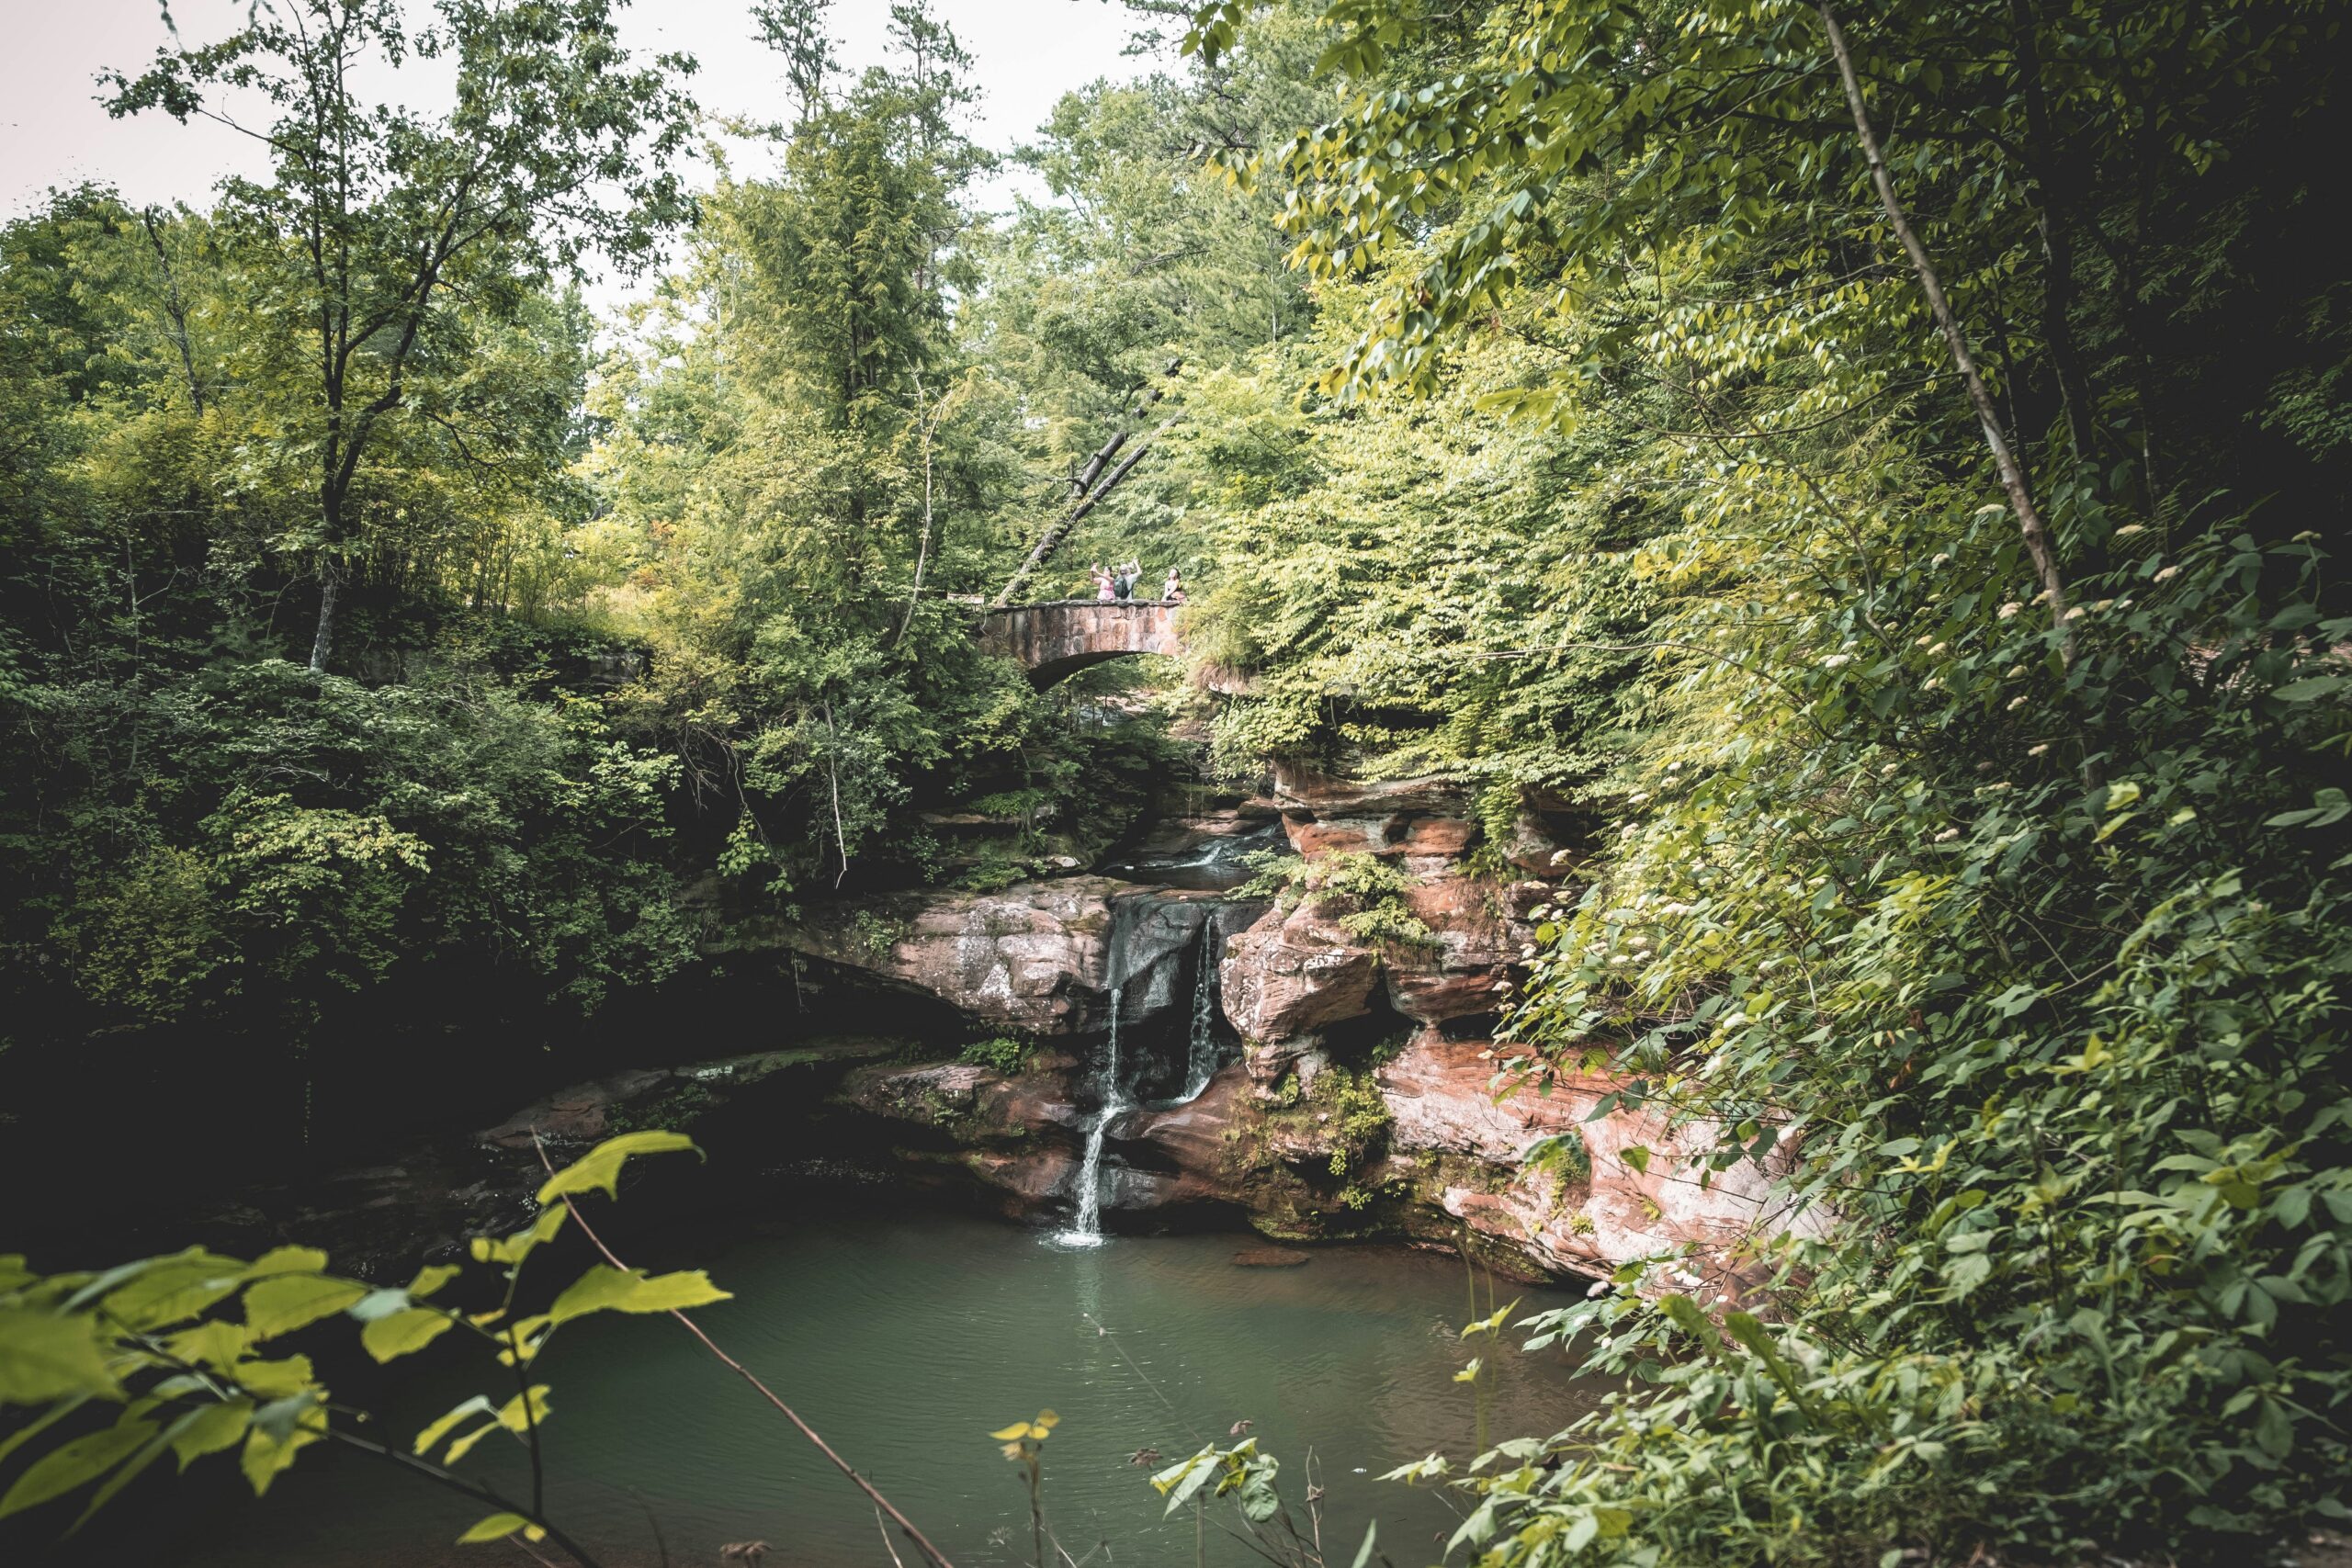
x: 1035, y: 957
x: 1465, y: 1116
x: 964, y: 1100
x: 1290, y: 974
x: 1473, y: 957
x: 1031, y: 957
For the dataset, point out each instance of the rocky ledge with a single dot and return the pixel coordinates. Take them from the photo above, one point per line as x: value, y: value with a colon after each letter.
x: 1037, y: 959
x: 1434, y: 1145
x: 1361, y: 1094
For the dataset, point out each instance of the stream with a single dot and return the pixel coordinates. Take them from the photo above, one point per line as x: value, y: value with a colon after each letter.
x: 905, y: 1337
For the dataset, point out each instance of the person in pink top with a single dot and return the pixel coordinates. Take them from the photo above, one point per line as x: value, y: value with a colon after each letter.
x: 1103, y: 588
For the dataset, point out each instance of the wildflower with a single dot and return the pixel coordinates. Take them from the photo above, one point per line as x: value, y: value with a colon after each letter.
x: 1597, y: 1289
x: 1890, y: 768
x: 1836, y: 661
x: 2038, y: 750
x: 1939, y: 650
x: 2016, y: 703
x: 1947, y: 835
x: 2008, y: 611
x: 2104, y: 605
x: 2015, y: 670
x: 2076, y: 613
x: 1931, y: 682
x: 1941, y: 559
x: 2169, y: 574
x: 1924, y: 640
x: 2130, y: 528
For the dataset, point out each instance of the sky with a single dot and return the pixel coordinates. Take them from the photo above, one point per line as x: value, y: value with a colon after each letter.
x: 52, y: 133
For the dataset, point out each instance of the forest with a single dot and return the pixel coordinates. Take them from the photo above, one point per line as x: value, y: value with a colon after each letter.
x: 1858, y: 490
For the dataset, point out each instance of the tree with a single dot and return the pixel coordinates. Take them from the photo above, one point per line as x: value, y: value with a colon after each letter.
x: 379, y: 221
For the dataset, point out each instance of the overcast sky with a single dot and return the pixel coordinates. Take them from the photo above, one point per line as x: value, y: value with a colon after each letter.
x: 52, y: 133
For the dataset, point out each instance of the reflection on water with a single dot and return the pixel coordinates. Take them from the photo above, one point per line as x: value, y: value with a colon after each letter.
x: 904, y: 1340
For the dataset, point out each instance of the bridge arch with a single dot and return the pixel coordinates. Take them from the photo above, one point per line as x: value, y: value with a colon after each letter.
x: 1062, y: 636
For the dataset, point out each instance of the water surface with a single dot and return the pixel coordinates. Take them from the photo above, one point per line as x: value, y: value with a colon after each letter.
x: 905, y: 1338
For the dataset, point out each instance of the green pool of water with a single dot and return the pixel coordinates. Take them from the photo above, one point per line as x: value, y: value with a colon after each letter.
x: 905, y: 1338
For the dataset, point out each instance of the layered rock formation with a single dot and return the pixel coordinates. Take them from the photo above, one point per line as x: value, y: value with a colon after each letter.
x: 1038, y: 958
x: 1297, y: 973
x: 1368, y: 1099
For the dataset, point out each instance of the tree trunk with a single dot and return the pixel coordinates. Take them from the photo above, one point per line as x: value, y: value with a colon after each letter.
x: 2004, y: 461
x: 330, y: 583
x: 1060, y: 531
x: 1084, y: 491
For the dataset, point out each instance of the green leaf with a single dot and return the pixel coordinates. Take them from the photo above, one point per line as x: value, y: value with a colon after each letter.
x: 1684, y: 1313
x: 512, y: 1416
x: 1637, y: 1157
x: 1181, y: 1480
x: 269, y: 1449
x: 2310, y: 689
x: 403, y: 1332
x: 75, y: 1464
x: 289, y: 1302
x: 1745, y: 1328
x: 287, y: 1260
x: 2273, y: 1433
x: 46, y: 1356
x: 1371, y: 1539
x: 599, y: 1170
x: 41, y: 1423
x: 216, y: 1426
x: 516, y: 1247
x: 497, y: 1527
x: 157, y: 1291
x: 284, y: 1379
x: 476, y: 1406
x: 429, y: 1279
x: 149, y: 1452
x: 606, y: 1288
x: 216, y: 1342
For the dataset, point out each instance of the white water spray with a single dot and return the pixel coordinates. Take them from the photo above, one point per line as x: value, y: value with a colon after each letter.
x: 1200, y: 1065
x: 1087, y: 1229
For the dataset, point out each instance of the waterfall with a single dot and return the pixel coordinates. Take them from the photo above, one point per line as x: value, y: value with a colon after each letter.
x: 1087, y: 1229
x: 1200, y: 1066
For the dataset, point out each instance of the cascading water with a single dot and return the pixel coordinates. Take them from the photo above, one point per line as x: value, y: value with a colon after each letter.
x: 1087, y: 1230
x: 1200, y: 1065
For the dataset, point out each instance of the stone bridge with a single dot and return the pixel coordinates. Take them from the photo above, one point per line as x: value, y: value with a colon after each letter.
x: 1064, y: 636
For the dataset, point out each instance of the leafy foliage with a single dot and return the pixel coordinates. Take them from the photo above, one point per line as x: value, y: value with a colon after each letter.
x: 185, y: 1350
x: 2008, y: 931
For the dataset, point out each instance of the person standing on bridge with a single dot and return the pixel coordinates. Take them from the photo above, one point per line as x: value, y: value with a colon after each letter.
x: 1104, y: 589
